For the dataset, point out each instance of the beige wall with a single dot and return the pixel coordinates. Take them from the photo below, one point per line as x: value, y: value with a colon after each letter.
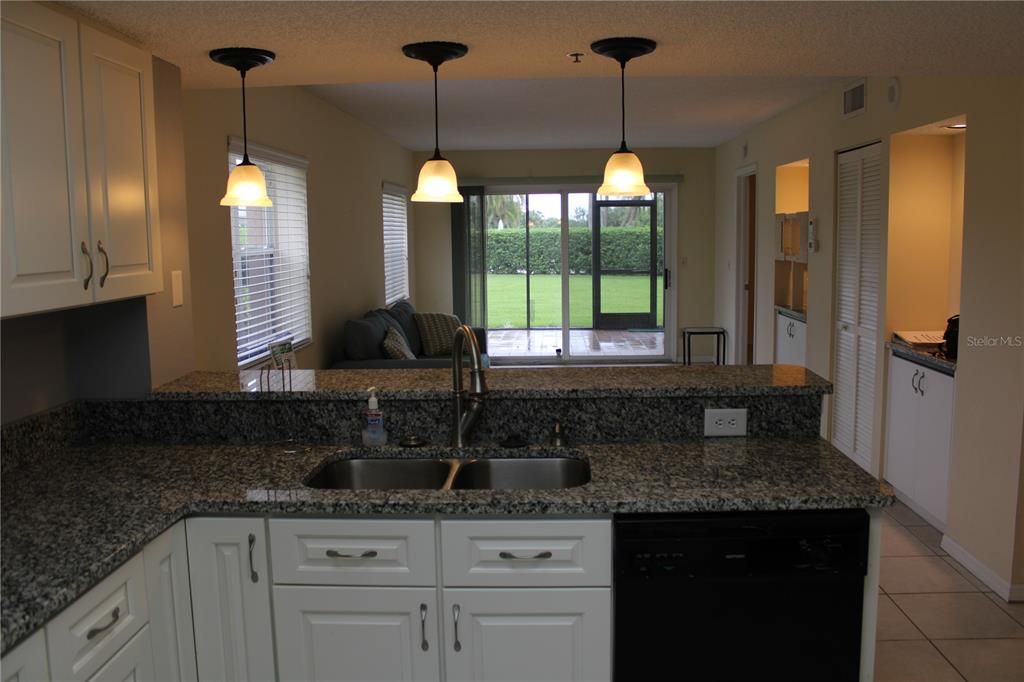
x: 921, y: 183
x: 170, y: 328
x: 985, y: 474
x: 792, y: 188
x: 956, y: 225
x: 694, y: 270
x: 348, y: 161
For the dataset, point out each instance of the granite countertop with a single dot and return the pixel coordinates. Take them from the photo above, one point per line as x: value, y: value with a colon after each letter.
x: 547, y: 382
x: 67, y: 527
x: 792, y: 313
x: 923, y: 358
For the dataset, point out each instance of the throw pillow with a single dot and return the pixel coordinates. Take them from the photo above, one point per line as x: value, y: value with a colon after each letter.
x: 396, y: 347
x: 406, y: 316
x: 363, y: 339
x: 436, y: 331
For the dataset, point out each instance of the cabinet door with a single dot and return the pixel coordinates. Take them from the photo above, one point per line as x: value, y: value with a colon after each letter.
x: 45, y: 210
x: 798, y: 344
x: 901, y: 465
x: 384, y: 634
x: 933, y: 442
x: 27, y: 662
x: 528, y: 635
x: 170, y: 606
x: 781, y: 339
x: 227, y: 562
x: 133, y: 662
x: 117, y: 95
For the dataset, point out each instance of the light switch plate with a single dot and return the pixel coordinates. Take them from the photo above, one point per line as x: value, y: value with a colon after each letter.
x: 725, y: 422
x: 177, y: 294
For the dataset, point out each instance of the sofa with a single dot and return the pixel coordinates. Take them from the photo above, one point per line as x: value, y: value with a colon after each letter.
x: 363, y: 347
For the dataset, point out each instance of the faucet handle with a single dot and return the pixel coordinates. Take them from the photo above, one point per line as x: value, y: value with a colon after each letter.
x: 558, y: 438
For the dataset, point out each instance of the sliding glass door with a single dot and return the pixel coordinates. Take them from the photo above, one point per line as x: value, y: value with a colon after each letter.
x: 569, y: 275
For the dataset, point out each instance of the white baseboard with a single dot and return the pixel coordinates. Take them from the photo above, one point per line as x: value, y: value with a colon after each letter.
x: 1002, y: 587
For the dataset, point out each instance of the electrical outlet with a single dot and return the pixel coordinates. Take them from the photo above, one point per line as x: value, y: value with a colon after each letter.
x: 725, y: 422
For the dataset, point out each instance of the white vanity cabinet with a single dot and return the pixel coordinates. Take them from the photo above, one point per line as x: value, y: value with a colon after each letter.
x: 27, y: 661
x: 790, y: 341
x: 170, y: 606
x: 80, y: 221
x: 918, y: 436
x: 227, y: 560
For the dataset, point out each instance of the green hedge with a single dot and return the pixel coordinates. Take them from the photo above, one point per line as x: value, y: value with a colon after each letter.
x: 625, y: 249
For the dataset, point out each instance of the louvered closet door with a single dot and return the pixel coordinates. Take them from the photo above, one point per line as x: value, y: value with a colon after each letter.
x: 858, y: 282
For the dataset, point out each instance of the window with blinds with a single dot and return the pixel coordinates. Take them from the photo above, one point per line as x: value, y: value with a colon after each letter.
x: 396, y: 244
x: 270, y: 258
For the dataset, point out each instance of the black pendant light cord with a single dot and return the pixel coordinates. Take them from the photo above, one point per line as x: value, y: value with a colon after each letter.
x: 437, y: 149
x: 245, y: 127
x: 622, y: 147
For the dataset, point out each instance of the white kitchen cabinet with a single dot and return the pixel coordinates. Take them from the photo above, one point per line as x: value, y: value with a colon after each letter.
x: 134, y: 661
x: 45, y: 209
x: 227, y: 561
x: 170, y: 606
x: 80, y: 216
x: 27, y: 661
x: 85, y: 636
x: 790, y: 341
x: 918, y: 436
x: 528, y: 635
x: 357, y: 634
x: 120, y: 137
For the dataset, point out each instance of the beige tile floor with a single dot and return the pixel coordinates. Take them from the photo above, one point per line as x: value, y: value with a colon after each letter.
x: 936, y: 621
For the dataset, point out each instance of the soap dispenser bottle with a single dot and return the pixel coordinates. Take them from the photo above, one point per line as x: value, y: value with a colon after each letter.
x: 374, y: 433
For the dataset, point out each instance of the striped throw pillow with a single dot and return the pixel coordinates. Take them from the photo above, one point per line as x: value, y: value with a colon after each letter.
x: 437, y: 331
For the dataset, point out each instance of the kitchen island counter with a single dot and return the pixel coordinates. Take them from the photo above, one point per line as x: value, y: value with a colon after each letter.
x: 71, y: 520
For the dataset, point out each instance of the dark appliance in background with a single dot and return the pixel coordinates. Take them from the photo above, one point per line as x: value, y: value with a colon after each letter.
x: 950, y: 337
x: 733, y: 597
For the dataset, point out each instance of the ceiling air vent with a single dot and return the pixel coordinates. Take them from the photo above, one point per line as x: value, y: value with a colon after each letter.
x: 854, y: 99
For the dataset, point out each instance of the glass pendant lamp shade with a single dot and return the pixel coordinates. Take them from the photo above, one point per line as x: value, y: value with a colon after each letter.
x: 437, y: 182
x: 246, y: 184
x: 624, y: 176
x: 246, y: 187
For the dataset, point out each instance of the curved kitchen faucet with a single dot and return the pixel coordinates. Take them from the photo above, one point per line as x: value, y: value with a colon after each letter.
x: 466, y: 406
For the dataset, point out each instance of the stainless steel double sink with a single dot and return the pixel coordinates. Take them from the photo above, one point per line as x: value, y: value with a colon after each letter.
x: 526, y: 473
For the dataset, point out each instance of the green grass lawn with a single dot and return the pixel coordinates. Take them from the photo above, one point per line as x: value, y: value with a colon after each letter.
x: 506, y: 299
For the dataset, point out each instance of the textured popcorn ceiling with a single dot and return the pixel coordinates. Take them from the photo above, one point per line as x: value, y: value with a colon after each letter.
x: 719, y: 67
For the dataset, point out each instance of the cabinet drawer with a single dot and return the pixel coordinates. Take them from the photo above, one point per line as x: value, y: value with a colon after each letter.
x: 85, y: 635
x: 526, y: 553
x: 352, y: 552
x: 133, y: 662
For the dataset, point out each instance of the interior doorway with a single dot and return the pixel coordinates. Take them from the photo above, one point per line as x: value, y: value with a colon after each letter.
x: 746, y: 263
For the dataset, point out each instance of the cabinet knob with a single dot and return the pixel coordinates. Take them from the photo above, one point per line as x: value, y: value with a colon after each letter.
x: 106, y: 261
x: 88, y: 278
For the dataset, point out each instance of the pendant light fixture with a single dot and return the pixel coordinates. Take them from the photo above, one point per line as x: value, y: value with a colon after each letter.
x: 437, y: 181
x: 246, y: 184
x: 623, y: 174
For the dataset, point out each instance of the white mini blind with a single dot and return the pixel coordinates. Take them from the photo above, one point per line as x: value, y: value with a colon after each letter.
x: 396, y: 244
x: 270, y: 257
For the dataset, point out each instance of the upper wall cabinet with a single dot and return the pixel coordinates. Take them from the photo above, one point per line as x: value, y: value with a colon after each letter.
x: 80, y: 218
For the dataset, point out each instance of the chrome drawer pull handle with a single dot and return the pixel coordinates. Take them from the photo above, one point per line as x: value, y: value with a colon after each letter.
x: 513, y: 557
x: 913, y: 381
x: 368, y: 554
x: 423, y: 627
x: 114, y: 615
x: 253, y: 575
x: 455, y: 615
x: 106, y: 260
x: 88, y: 278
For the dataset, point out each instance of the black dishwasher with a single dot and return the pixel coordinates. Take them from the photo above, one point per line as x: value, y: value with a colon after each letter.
x: 732, y: 597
